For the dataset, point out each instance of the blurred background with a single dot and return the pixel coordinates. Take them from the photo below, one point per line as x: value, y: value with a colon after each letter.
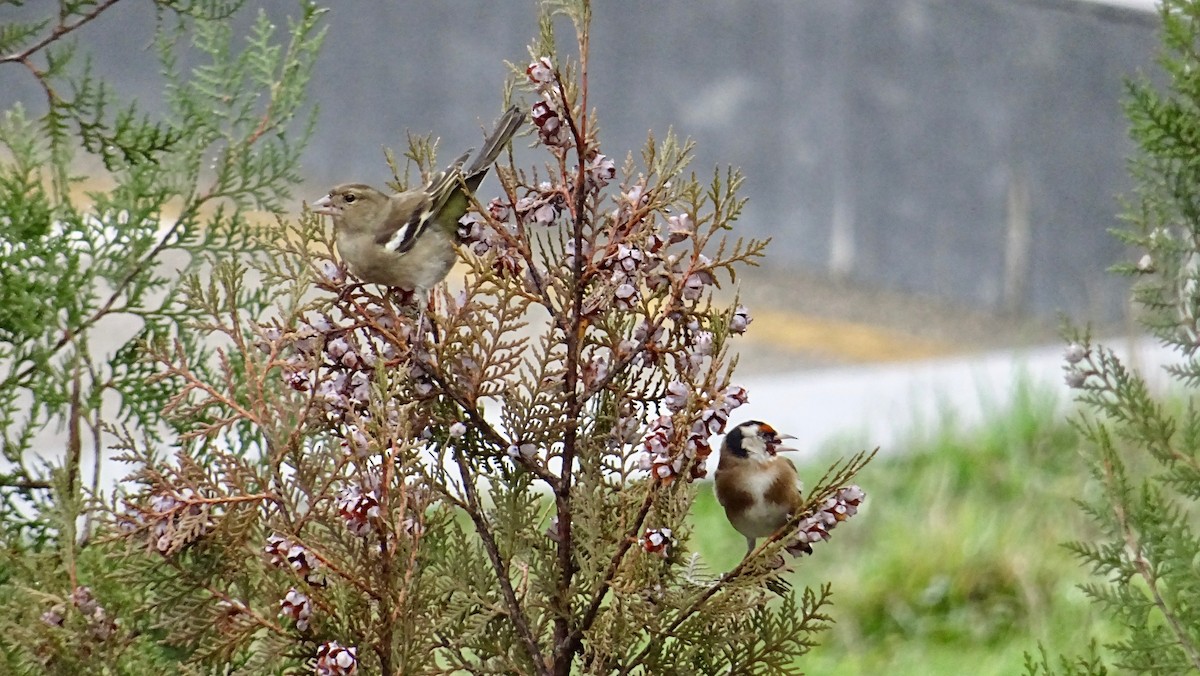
x: 969, y: 151
x: 939, y: 178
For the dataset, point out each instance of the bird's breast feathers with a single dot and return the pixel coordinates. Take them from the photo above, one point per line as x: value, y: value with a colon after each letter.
x: 758, y: 496
x: 424, y: 265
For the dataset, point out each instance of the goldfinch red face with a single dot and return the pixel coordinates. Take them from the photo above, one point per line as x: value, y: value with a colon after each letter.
x: 755, y: 440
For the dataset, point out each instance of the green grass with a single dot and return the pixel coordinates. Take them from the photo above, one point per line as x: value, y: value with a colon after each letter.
x: 955, y: 564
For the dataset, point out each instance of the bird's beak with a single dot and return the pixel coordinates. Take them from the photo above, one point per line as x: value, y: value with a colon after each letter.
x: 785, y: 449
x: 324, y: 206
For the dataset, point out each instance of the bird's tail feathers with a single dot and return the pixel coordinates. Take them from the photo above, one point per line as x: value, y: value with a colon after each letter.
x: 509, y: 123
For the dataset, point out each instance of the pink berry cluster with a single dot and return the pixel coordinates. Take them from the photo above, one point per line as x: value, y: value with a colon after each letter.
x: 99, y: 626
x: 669, y: 449
x: 333, y: 659
x: 815, y: 528
x: 283, y: 553
x: 657, y: 541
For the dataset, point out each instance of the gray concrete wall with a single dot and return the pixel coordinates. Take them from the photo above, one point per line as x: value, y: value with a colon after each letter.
x: 967, y: 149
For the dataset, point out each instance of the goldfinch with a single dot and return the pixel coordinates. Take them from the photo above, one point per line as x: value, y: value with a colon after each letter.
x: 758, y: 489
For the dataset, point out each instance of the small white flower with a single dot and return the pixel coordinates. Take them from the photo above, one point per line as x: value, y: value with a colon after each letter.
x: 1074, y: 353
x: 1075, y: 378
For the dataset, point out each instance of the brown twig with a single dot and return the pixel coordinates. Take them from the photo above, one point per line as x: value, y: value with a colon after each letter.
x: 59, y: 31
x: 500, y: 567
x: 575, y: 639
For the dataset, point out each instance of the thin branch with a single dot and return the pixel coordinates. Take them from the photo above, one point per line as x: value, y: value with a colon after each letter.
x: 562, y: 495
x: 575, y: 640
x: 59, y: 31
x: 481, y: 424
x: 1146, y: 571
x: 513, y: 606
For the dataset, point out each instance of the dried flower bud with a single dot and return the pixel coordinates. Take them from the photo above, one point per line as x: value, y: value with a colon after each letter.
x: 360, y: 386
x: 81, y: 597
x: 357, y: 509
x: 551, y: 130
x: 277, y: 548
x: 656, y: 454
x: 299, y: 380
x: 1074, y: 353
x: 677, y: 397
x: 595, y: 371
x: 710, y: 422
x: 692, y: 288
x: 297, y: 606
x: 470, y: 227
x: 335, y: 660
x: 355, y: 442
x: 303, y: 562
x: 657, y: 541
x: 600, y: 172
x: 541, y: 72
x: 499, y: 209
x: 741, y: 320
x: 586, y: 253
x: 337, y: 347
x: 545, y: 214
x: 54, y: 617
x: 732, y: 397
x: 679, y: 228
x: 1075, y: 378
x: 625, y: 297
x: 815, y: 528
x: 541, y: 113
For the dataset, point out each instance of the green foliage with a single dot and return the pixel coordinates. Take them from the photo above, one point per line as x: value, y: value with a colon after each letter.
x: 1144, y: 456
x: 167, y: 194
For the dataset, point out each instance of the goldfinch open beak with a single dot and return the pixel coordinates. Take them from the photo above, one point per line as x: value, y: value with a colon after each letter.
x: 324, y: 206
x: 785, y: 449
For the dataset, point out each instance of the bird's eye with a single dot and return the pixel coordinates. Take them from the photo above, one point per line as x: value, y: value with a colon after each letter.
x: 350, y: 198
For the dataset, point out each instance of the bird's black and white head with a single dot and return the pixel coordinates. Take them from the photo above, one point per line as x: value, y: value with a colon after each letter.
x: 753, y: 440
x: 351, y: 205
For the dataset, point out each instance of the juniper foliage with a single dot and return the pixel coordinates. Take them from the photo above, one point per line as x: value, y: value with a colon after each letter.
x: 1145, y: 451
x: 108, y: 211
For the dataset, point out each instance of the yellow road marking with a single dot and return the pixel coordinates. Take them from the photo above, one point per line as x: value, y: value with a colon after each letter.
x: 846, y: 341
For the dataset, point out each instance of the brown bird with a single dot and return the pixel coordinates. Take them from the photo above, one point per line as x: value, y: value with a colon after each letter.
x: 408, y: 239
x: 758, y: 489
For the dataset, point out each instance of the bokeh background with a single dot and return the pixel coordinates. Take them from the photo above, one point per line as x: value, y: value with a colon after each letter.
x: 971, y: 150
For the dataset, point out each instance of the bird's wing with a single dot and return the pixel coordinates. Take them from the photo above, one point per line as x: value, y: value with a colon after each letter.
x: 789, y: 476
x: 413, y: 211
x: 407, y: 216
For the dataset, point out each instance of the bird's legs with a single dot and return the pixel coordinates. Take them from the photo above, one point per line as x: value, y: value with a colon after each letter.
x: 425, y: 299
